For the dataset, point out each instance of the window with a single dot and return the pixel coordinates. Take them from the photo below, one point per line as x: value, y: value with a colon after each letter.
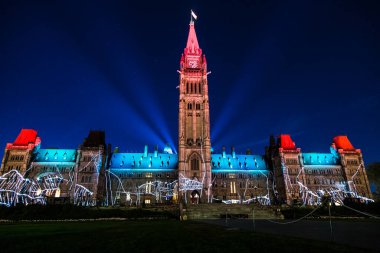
x: 291, y: 161
x: 194, y: 164
x: 198, y: 106
x: 200, y: 88
x: 189, y: 106
x: 233, y: 187
x: 352, y: 162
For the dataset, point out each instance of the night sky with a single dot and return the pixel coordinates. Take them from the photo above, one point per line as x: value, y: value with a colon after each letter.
x: 307, y: 68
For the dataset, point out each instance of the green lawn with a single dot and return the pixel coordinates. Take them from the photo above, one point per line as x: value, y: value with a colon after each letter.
x: 147, y: 236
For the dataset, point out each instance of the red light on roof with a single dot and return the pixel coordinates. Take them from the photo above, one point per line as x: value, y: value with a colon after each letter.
x: 25, y: 137
x: 342, y: 142
x: 192, y: 45
x: 286, y: 142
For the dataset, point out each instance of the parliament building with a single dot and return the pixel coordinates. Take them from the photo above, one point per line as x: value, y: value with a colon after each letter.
x: 94, y: 174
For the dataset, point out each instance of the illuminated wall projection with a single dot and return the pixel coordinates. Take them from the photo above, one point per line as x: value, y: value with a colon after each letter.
x: 308, y: 177
x: 142, y: 178
x: 93, y: 174
x: 31, y: 175
x: 194, y: 143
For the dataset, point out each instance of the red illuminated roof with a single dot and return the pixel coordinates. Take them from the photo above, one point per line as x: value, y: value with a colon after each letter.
x: 286, y: 142
x: 25, y: 137
x: 342, y: 142
x: 192, y: 46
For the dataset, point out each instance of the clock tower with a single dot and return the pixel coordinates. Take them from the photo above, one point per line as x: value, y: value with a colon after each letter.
x: 194, y: 157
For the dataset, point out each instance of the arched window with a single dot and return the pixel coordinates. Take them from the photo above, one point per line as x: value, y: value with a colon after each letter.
x: 194, y: 163
x: 191, y: 87
x: 187, y: 87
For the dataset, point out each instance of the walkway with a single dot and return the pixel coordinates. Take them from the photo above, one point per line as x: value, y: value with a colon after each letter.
x: 357, y: 233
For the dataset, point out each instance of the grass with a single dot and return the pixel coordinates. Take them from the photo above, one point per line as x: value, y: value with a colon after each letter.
x: 148, y: 236
x: 62, y: 212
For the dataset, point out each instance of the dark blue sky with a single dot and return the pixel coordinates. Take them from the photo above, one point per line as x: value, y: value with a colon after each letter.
x: 307, y: 68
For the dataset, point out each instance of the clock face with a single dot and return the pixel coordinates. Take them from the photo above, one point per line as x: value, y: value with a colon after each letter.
x: 193, y: 63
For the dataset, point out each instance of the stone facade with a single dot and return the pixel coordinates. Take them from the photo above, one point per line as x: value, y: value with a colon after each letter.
x: 92, y: 174
x: 142, y: 178
x: 194, y: 143
x: 67, y: 175
x: 299, y: 175
x: 18, y: 155
x: 238, y: 178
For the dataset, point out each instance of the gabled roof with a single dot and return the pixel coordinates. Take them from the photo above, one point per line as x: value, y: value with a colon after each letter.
x: 95, y: 139
x: 55, y: 156
x: 319, y: 159
x: 342, y: 142
x: 25, y: 137
x: 237, y: 163
x: 139, y: 162
x: 286, y: 142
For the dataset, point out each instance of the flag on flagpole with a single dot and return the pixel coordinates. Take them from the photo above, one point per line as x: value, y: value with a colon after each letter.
x: 193, y: 15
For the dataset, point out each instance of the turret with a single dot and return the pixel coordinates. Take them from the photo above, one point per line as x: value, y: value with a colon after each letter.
x: 146, y: 151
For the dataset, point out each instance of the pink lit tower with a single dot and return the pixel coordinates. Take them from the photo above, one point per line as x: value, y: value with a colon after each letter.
x: 194, y: 118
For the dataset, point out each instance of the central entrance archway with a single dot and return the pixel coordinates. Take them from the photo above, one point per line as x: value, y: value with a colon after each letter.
x: 194, y: 197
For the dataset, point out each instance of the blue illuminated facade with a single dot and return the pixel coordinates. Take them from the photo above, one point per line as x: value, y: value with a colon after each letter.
x: 151, y: 162
x: 92, y: 174
x: 55, y: 156
x: 238, y: 163
x: 143, y: 162
x: 320, y: 159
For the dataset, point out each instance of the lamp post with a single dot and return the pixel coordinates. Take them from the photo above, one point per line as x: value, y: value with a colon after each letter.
x: 253, y: 209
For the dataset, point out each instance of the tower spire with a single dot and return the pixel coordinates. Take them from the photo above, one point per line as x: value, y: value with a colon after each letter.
x: 192, y: 45
x: 194, y: 156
